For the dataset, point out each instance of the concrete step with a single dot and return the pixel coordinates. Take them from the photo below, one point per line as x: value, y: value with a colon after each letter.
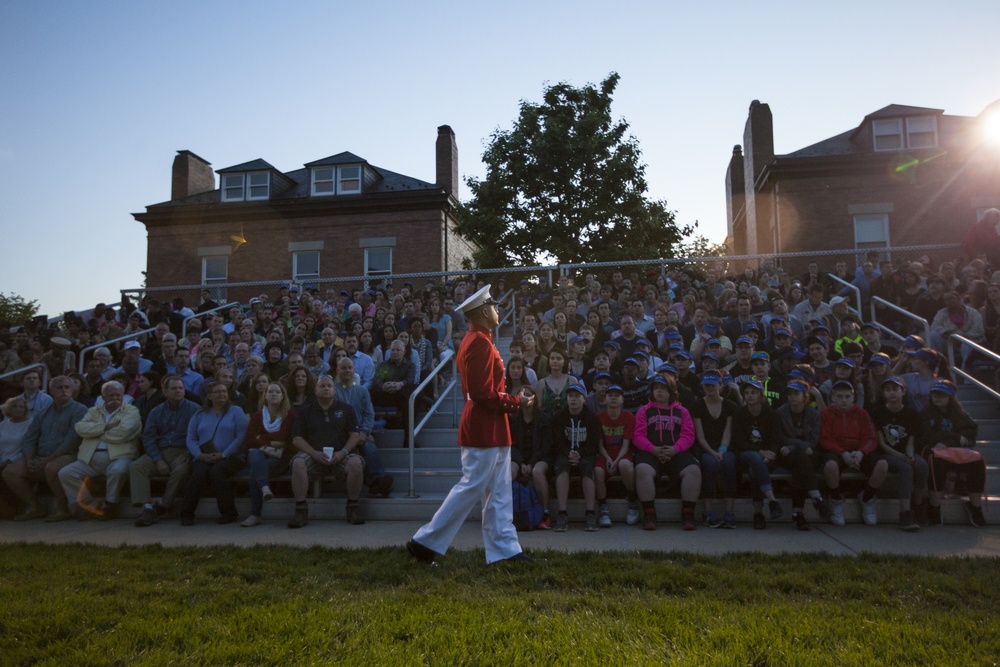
x: 437, y: 437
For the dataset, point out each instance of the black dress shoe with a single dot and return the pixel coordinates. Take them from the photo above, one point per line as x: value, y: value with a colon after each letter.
x: 420, y: 552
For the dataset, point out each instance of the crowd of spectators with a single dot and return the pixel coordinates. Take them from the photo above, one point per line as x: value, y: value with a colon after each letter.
x: 290, y: 385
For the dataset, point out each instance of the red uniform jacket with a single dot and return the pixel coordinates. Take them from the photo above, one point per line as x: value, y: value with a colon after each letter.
x: 484, y: 418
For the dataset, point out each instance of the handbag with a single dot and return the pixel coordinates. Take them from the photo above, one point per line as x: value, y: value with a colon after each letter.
x: 208, y: 447
x: 955, y: 456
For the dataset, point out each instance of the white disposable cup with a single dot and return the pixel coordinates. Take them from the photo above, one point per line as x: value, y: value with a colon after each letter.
x: 328, y: 451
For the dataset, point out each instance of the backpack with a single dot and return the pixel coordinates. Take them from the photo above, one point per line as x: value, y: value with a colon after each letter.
x: 528, y: 510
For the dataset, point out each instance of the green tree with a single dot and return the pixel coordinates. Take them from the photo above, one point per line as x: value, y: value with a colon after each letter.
x: 566, y: 184
x: 15, y: 310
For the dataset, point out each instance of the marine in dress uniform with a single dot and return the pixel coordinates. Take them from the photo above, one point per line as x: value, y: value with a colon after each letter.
x: 484, y: 435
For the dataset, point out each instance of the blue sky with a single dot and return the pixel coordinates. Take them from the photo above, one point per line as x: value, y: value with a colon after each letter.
x: 96, y: 97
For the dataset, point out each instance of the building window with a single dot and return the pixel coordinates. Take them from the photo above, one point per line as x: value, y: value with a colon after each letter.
x: 305, y: 266
x: 215, y: 271
x: 348, y: 180
x: 888, y: 134
x: 232, y: 187
x: 921, y: 132
x: 240, y: 187
x: 322, y: 181
x: 378, y: 262
x: 259, y: 186
x: 871, y: 231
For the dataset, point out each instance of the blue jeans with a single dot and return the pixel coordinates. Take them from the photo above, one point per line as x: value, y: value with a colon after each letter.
x: 910, y: 475
x: 760, y: 476
x: 373, y: 462
x: 710, y: 468
x: 262, y: 467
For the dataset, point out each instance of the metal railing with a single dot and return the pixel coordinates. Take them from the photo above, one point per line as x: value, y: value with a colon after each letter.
x: 184, y: 325
x: 31, y: 367
x: 508, y: 298
x: 857, y: 293
x: 953, y: 341
x: 412, y: 430
x: 109, y: 343
x: 891, y: 306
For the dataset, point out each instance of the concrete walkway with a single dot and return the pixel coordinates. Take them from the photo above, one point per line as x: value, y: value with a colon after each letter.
x: 853, y: 539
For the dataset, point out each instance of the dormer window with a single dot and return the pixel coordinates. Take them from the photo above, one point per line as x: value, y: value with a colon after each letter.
x: 246, y: 186
x: 920, y: 132
x: 336, y: 180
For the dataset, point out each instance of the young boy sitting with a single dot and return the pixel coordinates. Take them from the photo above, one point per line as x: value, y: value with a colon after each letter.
x: 847, y: 438
x: 615, y: 456
x: 576, y: 437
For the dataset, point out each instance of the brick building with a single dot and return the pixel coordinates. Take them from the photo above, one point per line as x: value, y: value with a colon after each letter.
x: 337, y: 216
x: 904, y: 176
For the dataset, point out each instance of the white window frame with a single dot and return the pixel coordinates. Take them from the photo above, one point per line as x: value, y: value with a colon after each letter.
x: 217, y: 292
x: 236, y: 182
x: 915, y: 120
x: 871, y: 219
x: 885, y: 124
x: 330, y: 181
x: 299, y: 277
x: 251, y: 186
x: 342, y: 177
x: 378, y: 273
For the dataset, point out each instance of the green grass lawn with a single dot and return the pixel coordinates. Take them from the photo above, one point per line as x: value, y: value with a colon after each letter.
x: 87, y: 605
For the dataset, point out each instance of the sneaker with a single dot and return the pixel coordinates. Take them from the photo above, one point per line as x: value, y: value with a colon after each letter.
x: 354, y: 514
x: 759, y: 522
x: 822, y: 507
x: 712, y: 521
x: 908, y: 522
x: 250, y: 521
x: 920, y: 513
x: 546, y: 522
x: 687, y: 519
x: 729, y: 520
x: 933, y: 515
x: 799, y: 521
x: 267, y: 494
x: 562, y: 524
x: 147, y: 518
x: 633, y: 514
x: 382, y: 486
x: 976, y: 517
x: 649, y: 519
x: 300, y: 519
x: 592, y: 523
x: 836, y: 514
x: 604, y: 521
x: 774, y: 507
x: 869, y: 510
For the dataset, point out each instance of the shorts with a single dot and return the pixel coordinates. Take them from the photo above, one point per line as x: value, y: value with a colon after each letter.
x: 338, y: 470
x: 586, y: 466
x: 613, y: 451
x: 868, y: 461
x: 673, y: 467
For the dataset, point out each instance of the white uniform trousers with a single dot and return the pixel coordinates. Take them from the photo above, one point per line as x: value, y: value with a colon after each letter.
x: 485, y: 477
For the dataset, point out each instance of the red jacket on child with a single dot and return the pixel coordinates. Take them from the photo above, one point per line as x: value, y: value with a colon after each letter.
x: 850, y: 431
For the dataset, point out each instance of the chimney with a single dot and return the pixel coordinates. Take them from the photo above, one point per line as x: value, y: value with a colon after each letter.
x: 191, y: 176
x: 758, y: 145
x: 735, y: 192
x: 446, y: 152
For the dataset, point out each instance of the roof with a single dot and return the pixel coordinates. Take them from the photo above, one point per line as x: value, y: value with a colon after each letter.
x: 897, y: 110
x: 252, y: 165
x: 301, y: 185
x: 340, y: 158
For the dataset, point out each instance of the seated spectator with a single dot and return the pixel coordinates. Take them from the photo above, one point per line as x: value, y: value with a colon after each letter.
x: 957, y: 318
x: 326, y: 436
x: 314, y: 362
x: 844, y: 370
x: 36, y: 399
x: 847, y: 438
x: 299, y: 385
x: 275, y: 365
x: 664, y: 434
x: 165, y: 440
x: 812, y: 308
x: 268, y: 443
x: 898, y: 425
x: 947, y: 425
x: 551, y: 389
x: 13, y: 428
x: 394, y: 382
x: 530, y: 452
x: 533, y: 357
x: 800, y: 425
x: 182, y: 366
x: 615, y: 456
x: 364, y: 366
x: 516, y: 375
x: 576, y: 438
x: 348, y: 389
x: 49, y: 444
x: 215, y: 441
x: 110, y: 442
x: 757, y: 439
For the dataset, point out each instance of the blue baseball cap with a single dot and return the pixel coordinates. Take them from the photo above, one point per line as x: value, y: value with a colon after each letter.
x: 674, y: 335
x: 631, y: 360
x: 744, y: 340
x: 880, y: 358
x: 667, y: 368
x: 783, y: 332
x: 577, y: 339
x: 752, y: 383
x: 677, y: 347
x: 684, y: 354
x: 578, y: 388
x: 846, y: 361
x: 711, y: 355
x: 611, y: 343
x: 944, y: 387
x: 924, y: 354
x: 870, y: 325
x: 713, y: 341
x: 711, y: 377
x: 710, y: 329
x: 641, y: 353
x: 602, y: 376
x: 843, y: 384
x: 760, y: 356
x: 658, y: 379
x: 751, y: 326
x: 615, y: 388
x: 797, y: 386
x: 800, y: 374
x: 894, y: 380
x: 913, y: 342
